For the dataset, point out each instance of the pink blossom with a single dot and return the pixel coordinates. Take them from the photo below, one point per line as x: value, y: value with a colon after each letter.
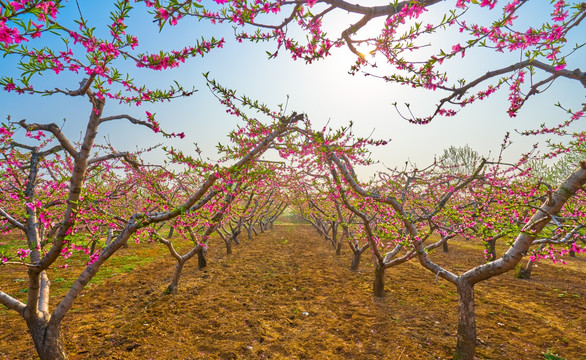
x: 163, y: 13
x: 22, y: 253
x: 9, y: 87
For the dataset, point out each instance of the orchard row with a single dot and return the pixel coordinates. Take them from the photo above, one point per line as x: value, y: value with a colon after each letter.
x: 67, y: 196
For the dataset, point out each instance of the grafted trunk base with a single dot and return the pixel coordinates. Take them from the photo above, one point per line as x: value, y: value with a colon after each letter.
x: 47, y: 340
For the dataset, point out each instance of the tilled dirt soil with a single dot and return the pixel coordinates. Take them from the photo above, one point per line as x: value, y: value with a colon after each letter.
x: 286, y: 295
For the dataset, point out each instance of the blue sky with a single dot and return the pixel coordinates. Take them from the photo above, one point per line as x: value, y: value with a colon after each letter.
x: 323, y: 90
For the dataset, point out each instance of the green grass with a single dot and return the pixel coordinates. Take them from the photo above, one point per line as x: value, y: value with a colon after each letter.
x: 119, y: 265
x: 550, y: 355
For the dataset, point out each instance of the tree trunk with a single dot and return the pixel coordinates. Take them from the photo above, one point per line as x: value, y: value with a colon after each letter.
x: 228, y: 245
x: 201, y: 259
x: 466, y: 345
x: 343, y: 237
x: 172, y: 288
x: 47, y: 339
x: 334, y: 228
x: 379, y: 280
x: 445, y: 246
x: 249, y: 231
x: 525, y: 272
x: 93, y: 248
x: 355, y: 259
x: 171, y: 229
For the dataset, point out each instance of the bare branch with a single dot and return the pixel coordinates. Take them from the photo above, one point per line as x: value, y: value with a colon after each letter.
x: 107, y: 157
x: 53, y: 129
x: 12, y: 303
x: 12, y: 220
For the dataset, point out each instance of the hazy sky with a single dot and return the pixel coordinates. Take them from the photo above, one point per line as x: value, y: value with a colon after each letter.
x: 324, y: 90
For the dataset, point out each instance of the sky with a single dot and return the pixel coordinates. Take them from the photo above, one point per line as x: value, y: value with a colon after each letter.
x: 323, y: 90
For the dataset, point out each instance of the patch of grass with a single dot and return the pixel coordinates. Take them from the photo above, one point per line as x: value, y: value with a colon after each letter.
x: 127, y: 267
x: 120, y: 264
x: 550, y: 355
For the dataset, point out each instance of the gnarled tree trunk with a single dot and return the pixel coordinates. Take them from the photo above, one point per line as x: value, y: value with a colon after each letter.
x: 339, y: 246
x: 378, y: 285
x: 47, y: 339
x: 201, y: 259
x: 249, y: 231
x: 355, y: 260
x: 465, y: 347
x: 172, y: 288
x: 357, y: 252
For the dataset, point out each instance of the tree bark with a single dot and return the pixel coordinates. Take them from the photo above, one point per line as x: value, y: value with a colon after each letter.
x: 334, y: 228
x: 201, y: 259
x: 466, y: 345
x: 355, y: 260
x: 93, y: 248
x: 339, y: 247
x: 445, y: 246
x: 249, y: 231
x: 47, y: 339
x: 228, y: 245
x: 172, y: 288
x: 379, y: 281
x: 525, y: 272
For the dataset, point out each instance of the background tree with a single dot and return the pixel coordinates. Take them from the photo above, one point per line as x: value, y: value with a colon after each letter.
x: 459, y: 160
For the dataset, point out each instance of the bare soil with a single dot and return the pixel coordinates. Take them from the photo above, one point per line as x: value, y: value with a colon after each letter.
x: 286, y: 295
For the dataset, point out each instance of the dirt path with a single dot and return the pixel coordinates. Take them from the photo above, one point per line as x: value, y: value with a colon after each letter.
x: 285, y: 295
